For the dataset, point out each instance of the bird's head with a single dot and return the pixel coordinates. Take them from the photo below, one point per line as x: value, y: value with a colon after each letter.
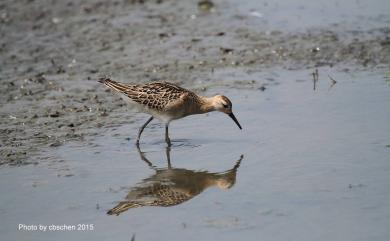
x: 223, y: 104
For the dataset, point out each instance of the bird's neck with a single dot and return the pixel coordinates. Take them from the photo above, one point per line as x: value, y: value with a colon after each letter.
x: 206, y: 104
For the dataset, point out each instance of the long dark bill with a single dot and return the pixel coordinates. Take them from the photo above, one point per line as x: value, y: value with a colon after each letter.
x: 235, y: 120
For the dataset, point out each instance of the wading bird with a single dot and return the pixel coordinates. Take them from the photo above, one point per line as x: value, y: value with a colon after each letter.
x: 167, y: 102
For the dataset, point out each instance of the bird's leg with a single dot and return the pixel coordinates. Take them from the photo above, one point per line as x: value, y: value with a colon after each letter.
x: 168, y: 153
x: 142, y: 129
x: 167, y: 135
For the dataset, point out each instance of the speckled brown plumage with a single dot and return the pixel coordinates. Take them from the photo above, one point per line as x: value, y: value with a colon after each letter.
x: 157, y: 95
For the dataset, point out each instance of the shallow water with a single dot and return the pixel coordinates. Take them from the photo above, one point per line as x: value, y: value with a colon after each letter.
x: 315, y: 167
x: 301, y: 14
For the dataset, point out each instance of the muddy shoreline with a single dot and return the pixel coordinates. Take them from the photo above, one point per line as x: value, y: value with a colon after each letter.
x: 52, y: 53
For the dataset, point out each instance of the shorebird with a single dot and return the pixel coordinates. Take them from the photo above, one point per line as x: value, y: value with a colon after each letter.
x: 172, y: 186
x: 167, y: 102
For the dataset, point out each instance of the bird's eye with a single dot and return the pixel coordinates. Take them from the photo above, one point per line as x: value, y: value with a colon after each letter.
x: 225, y: 106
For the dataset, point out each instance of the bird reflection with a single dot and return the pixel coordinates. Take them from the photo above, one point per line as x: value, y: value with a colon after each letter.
x: 172, y: 186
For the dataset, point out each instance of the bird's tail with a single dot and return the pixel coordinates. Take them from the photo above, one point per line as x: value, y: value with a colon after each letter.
x: 114, y: 84
x: 122, y: 207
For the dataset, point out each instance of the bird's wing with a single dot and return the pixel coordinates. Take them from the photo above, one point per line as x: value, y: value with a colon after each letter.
x: 155, y: 95
x: 115, y: 85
